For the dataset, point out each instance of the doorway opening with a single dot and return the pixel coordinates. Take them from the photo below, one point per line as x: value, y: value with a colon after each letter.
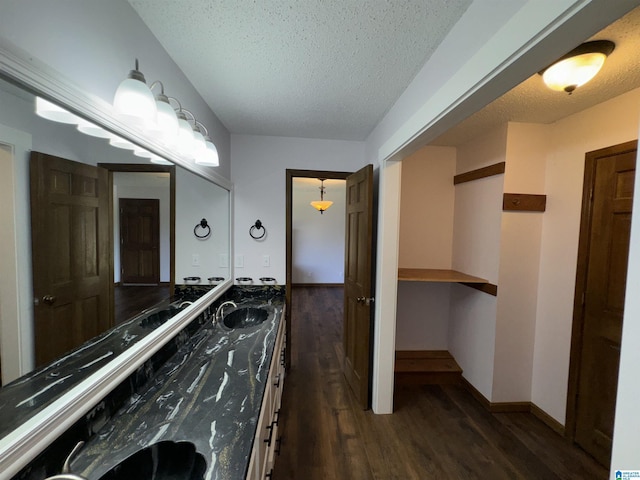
x: 133, y: 293
x: 601, y: 279
x: 310, y: 176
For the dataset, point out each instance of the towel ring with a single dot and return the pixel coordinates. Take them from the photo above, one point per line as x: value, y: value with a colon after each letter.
x: 257, y: 227
x: 204, y: 226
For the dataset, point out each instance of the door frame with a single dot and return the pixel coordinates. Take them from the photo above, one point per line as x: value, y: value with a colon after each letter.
x: 142, y: 168
x: 581, y: 278
x: 290, y: 175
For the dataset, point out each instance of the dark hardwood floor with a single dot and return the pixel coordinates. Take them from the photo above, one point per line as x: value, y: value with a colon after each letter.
x: 130, y: 300
x: 436, y: 432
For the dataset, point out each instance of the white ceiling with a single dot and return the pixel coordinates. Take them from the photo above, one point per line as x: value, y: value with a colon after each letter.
x: 300, y: 68
x: 332, y: 69
x: 533, y: 102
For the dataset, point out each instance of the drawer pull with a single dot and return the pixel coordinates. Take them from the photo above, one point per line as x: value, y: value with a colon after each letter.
x: 282, y: 357
x: 270, y: 437
x: 270, y: 474
x: 276, y: 417
x: 277, y: 382
x: 278, y: 445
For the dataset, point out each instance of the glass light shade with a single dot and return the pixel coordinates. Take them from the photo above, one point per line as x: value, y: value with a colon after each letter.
x: 184, y: 143
x: 120, y: 142
x: 166, y: 128
x: 51, y: 111
x: 135, y: 102
x: 573, y: 72
x: 209, y: 156
x: 89, y: 128
x: 199, y: 144
x: 159, y: 160
x: 321, y: 205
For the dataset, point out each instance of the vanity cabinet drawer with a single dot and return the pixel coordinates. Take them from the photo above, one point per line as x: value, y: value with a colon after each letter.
x: 266, y: 443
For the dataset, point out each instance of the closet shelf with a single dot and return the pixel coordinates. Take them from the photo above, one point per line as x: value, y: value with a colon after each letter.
x: 434, y: 275
x: 450, y: 276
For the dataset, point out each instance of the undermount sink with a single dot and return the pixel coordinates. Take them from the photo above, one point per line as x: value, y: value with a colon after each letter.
x: 245, y: 317
x: 161, y: 461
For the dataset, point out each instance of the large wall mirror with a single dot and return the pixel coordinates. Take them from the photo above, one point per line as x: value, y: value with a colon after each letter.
x: 182, y: 198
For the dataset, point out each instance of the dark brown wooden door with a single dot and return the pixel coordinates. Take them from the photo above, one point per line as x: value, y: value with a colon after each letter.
x: 139, y: 241
x: 70, y: 252
x: 606, y: 276
x: 357, y: 283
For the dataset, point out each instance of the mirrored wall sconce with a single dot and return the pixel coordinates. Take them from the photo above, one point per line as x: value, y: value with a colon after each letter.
x: 202, y: 230
x: 51, y: 111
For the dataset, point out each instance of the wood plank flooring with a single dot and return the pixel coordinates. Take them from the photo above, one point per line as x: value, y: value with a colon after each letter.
x: 436, y: 432
x: 130, y: 300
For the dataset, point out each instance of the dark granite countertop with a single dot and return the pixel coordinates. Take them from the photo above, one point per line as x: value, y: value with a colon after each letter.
x: 209, y: 393
x: 28, y: 395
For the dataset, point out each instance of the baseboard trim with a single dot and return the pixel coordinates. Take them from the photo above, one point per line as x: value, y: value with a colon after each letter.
x: 512, y: 407
x: 547, y: 419
x: 317, y: 284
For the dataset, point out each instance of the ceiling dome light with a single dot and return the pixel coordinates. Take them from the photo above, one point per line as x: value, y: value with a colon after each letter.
x: 51, y: 111
x: 134, y: 101
x: 578, y: 66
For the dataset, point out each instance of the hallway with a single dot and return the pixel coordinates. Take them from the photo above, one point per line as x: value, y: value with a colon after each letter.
x: 437, y: 432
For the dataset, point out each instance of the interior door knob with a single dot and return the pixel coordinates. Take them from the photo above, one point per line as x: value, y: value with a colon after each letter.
x: 49, y: 299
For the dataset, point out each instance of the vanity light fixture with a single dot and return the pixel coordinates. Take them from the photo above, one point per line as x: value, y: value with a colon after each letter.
x: 134, y: 101
x: 578, y: 66
x: 322, y: 204
x: 159, y: 160
x: 166, y: 127
x: 209, y: 155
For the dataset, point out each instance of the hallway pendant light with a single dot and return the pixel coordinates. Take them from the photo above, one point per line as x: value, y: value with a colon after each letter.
x: 578, y: 66
x: 322, y: 204
x: 134, y: 101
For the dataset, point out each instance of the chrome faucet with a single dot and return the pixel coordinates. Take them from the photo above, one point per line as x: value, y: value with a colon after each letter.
x: 219, y: 310
x: 66, y: 468
x: 185, y: 303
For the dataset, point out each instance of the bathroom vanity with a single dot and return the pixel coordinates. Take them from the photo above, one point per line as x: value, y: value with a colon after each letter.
x: 209, y: 406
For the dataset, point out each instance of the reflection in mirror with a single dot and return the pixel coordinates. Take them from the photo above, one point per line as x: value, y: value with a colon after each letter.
x: 21, y: 132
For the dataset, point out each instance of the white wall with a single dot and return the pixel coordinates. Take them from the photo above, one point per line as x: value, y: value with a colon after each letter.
x: 94, y: 44
x: 259, y: 176
x: 150, y: 186
x: 520, y: 238
x: 318, y: 239
x: 426, y: 241
x: 609, y: 123
x: 197, y: 198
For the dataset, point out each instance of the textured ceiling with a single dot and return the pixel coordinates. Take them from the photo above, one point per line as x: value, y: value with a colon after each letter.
x: 533, y: 102
x: 315, y: 69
